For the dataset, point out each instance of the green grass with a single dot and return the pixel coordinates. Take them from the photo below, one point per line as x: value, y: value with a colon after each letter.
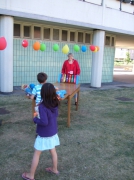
x: 99, y: 145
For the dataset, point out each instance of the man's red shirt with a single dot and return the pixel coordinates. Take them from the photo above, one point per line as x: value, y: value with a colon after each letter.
x: 73, y: 68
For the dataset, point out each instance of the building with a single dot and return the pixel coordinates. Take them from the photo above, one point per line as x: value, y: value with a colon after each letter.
x: 105, y: 23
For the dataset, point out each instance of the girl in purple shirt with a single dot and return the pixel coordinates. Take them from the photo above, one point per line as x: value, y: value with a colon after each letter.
x: 46, y: 129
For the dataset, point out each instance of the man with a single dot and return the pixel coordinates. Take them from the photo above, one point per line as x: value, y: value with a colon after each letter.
x: 71, y: 67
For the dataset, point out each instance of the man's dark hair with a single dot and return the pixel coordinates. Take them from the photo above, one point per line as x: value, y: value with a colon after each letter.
x: 41, y: 77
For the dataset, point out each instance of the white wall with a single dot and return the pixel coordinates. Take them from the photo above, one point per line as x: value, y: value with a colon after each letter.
x: 126, y: 7
x: 119, y: 20
x: 77, y: 11
x: 94, y: 1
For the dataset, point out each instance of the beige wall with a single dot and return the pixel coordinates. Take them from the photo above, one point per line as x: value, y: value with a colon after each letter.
x: 125, y: 41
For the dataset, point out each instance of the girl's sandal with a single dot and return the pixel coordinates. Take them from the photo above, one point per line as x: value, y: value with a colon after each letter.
x: 49, y: 169
x: 25, y: 177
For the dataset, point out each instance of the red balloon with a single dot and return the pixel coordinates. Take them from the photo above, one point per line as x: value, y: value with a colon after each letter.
x: 24, y: 43
x: 92, y: 47
x: 3, y: 43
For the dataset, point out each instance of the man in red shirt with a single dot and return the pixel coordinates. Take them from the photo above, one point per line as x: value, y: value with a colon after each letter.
x: 71, y: 66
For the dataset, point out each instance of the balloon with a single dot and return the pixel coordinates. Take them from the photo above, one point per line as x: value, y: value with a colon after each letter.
x: 36, y: 46
x: 97, y: 48
x: 65, y: 49
x: 76, y: 48
x: 24, y: 43
x: 42, y: 47
x: 3, y: 43
x: 55, y: 47
x: 92, y: 47
x: 83, y: 48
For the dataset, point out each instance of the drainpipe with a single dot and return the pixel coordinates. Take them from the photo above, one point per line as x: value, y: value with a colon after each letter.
x: 103, y: 3
x: 120, y: 5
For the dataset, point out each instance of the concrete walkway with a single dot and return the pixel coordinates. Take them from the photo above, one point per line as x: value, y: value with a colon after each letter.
x: 121, y: 79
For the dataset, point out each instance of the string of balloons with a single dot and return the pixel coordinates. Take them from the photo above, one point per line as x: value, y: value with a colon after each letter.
x: 42, y: 47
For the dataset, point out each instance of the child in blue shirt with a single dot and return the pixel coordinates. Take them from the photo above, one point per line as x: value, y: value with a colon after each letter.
x: 41, y: 77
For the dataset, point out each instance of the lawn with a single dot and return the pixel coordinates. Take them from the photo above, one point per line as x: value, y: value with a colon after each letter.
x: 99, y: 145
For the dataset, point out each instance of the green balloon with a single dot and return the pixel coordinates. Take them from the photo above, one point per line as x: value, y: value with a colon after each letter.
x: 42, y: 47
x: 76, y: 48
x: 55, y: 47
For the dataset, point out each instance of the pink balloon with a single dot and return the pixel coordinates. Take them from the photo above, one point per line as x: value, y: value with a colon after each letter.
x: 3, y: 43
x: 24, y: 43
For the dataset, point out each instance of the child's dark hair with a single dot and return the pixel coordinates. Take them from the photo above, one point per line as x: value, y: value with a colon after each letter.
x: 41, y: 77
x: 49, y: 96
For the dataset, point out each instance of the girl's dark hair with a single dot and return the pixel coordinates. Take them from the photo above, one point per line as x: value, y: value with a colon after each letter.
x: 49, y: 96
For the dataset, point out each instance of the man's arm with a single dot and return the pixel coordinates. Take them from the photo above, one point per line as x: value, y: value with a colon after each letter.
x: 77, y: 68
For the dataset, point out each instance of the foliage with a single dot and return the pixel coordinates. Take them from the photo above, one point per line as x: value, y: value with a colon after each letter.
x: 127, y: 59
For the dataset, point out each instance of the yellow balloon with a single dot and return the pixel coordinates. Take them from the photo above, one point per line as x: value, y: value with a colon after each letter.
x: 96, y: 49
x: 65, y: 49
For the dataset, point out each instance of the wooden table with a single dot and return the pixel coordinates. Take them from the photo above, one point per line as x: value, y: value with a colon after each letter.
x: 71, y: 89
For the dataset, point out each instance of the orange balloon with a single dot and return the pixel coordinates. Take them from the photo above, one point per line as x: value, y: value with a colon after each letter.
x: 36, y: 46
x: 97, y: 48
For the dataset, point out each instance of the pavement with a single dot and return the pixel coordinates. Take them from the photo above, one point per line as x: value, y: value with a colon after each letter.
x: 121, y: 79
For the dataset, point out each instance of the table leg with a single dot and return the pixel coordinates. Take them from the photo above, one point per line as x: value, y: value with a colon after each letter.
x: 69, y: 109
x: 33, y: 107
x: 77, y: 100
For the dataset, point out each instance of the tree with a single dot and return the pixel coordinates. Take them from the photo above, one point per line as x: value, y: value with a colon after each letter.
x: 127, y: 59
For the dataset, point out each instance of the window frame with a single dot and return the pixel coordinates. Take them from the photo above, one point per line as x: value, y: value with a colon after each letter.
x: 67, y: 35
x: 88, y: 32
x: 59, y: 33
x: 50, y: 33
x: 30, y: 31
x: 20, y: 30
x: 40, y: 31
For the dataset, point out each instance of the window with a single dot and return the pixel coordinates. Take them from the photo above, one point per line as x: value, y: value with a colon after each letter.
x: 87, y: 38
x: 80, y: 37
x: 17, y: 30
x: 47, y: 33
x: 55, y: 34
x: 72, y: 36
x: 27, y: 31
x: 64, y: 35
x: 107, y: 41
x: 37, y: 32
x: 112, y: 43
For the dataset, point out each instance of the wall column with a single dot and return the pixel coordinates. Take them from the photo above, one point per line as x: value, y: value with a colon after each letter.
x: 6, y: 55
x: 97, y: 58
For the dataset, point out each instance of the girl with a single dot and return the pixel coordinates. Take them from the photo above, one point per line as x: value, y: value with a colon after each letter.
x: 46, y: 129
